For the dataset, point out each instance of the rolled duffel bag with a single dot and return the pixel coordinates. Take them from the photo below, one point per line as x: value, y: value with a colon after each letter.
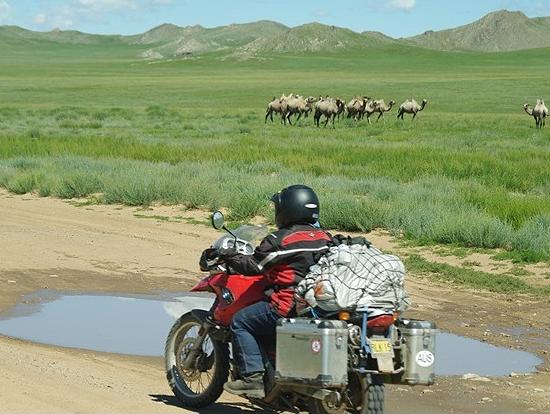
x: 355, y: 275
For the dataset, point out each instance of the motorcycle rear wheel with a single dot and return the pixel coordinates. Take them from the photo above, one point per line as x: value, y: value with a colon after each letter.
x: 201, y: 385
x: 369, y: 389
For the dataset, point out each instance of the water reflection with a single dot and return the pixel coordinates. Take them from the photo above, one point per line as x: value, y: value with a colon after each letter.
x: 138, y: 325
x: 184, y: 304
x: 128, y: 325
x: 457, y: 355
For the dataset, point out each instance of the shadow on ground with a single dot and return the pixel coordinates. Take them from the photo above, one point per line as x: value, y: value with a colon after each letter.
x: 226, y: 408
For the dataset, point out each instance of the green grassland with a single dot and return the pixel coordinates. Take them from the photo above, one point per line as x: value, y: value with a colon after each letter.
x: 81, y: 120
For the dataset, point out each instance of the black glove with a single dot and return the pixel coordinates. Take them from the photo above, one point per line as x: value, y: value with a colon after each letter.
x: 225, y: 254
x: 206, y: 259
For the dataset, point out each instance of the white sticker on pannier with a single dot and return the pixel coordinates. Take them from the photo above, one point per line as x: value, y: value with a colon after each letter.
x: 316, y: 346
x: 425, y: 359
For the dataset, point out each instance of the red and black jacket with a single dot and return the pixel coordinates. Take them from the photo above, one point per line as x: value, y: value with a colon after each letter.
x: 284, y: 258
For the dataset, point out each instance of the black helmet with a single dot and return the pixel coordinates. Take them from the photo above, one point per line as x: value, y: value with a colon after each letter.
x: 296, y: 204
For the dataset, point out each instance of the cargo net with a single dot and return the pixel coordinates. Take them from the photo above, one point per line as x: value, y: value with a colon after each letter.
x: 355, y: 276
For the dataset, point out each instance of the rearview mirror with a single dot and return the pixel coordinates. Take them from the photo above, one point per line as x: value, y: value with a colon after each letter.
x: 218, y: 220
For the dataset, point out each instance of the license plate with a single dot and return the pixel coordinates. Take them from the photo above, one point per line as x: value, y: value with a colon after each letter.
x: 381, y: 347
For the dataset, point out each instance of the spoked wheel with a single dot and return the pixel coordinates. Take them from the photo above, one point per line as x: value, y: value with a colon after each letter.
x: 196, y: 380
x: 361, y: 390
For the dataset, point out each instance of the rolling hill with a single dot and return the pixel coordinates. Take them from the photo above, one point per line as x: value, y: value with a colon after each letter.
x: 16, y: 34
x: 495, y: 32
x: 313, y: 37
x: 173, y: 41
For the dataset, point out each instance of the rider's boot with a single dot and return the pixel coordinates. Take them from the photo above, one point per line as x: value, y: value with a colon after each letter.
x: 251, y: 386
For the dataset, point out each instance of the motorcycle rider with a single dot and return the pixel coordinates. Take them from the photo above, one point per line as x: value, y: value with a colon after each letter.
x: 284, y: 258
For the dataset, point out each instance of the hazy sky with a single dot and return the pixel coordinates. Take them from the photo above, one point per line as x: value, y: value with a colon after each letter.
x: 394, y: 17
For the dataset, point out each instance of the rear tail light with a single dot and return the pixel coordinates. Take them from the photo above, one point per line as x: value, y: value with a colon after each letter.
x: 381, y: 322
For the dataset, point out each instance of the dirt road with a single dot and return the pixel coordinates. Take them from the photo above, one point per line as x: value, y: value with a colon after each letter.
x: 47, y: 243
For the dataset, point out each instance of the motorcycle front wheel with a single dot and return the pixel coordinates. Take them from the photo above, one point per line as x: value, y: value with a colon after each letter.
x: 202, y: 384
x: 368, y: 390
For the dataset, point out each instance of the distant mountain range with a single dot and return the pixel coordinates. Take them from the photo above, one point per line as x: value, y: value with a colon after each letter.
x: 497, y: 31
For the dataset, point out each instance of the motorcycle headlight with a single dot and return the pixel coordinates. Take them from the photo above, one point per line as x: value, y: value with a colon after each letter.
x: 227, y: 295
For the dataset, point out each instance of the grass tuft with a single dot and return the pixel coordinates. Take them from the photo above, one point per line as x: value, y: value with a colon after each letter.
x: 532, y: 241
x: 467, y: 277
x: 21, y: 183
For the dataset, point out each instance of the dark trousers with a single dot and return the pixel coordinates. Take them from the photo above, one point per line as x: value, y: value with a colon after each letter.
x: 251, y: 326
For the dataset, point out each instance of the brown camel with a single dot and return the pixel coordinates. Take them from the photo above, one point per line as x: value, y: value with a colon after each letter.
x: 410, y: 106
x: 297, y: 105
x: 381, y: 107
x: 329, y: 108
x: 356, y: 107
x: 278, y: 106
x: 370, y: 109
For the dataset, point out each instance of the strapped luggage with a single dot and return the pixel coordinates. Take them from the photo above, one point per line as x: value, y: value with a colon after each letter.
x: 354, y: 274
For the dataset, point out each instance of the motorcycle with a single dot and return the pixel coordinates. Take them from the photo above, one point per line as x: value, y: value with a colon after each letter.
x: 323, y: 363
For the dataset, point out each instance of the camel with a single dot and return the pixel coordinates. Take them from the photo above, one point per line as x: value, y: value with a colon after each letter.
x: 370, y: 109
x: 410, y: 106
x: 329, y: 108
x: 539, y: 112
x: 356, y: 107
x: 310, y: 105
x: 381, y: 107
x: 278, y: 106
x: 298, y: 105
x: 353, y: 108
x: 341, y: 107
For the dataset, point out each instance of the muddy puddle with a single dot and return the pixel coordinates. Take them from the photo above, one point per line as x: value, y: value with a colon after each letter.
x: 134, y: 325
x: 138, y: 325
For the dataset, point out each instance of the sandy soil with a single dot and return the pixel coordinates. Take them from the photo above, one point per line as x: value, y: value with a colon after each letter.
x: 47, y: 243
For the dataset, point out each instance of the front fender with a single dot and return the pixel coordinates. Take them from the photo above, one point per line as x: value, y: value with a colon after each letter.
x: 199, y: 314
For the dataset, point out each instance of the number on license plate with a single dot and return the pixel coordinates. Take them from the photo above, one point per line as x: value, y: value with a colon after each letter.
x: 381, y: 347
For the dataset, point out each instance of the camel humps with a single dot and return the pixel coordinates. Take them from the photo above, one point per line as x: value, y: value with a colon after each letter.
x: 381, y: 107
x: 298, y: 105
x: 370, y: 109
x: 356, y: 107
x: 539, y: 112
x: 278, y: 106
x: 410, y: 106
x: 329, y: 108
